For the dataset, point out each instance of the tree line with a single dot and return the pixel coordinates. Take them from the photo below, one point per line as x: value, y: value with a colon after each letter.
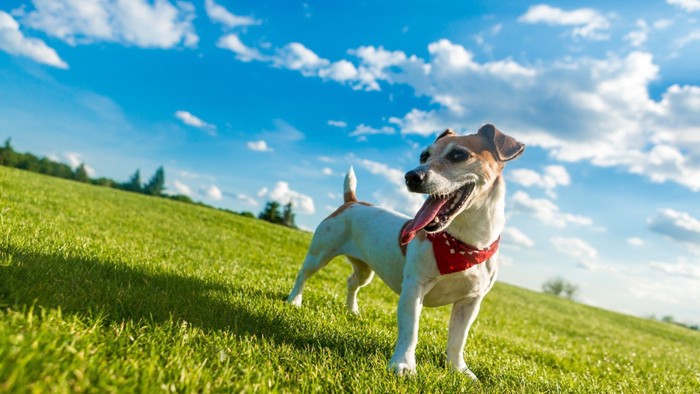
x: 155, y: 186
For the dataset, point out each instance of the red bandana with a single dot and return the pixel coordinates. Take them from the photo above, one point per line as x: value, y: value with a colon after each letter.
x: 453, y: 255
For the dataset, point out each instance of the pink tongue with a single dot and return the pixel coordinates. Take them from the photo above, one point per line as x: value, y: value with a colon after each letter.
x: 425, y: 215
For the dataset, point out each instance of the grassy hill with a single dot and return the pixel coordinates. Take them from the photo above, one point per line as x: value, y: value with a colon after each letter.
x: 102, y: 289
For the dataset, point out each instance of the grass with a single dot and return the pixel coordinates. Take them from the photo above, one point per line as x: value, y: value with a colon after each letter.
x: 102, y: 290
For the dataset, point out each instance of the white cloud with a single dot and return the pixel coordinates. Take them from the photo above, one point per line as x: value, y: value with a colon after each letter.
x: 340, y: 71
x: 363, y: 129
x: 398, y: 198
x: 213, y: 192
x: 13, y: 41
x: 687, y: 5
x: 146, y: 24
x: 247, y: 200
x: 337, y: 123
x: 259, y: 146
x: 283, y: 194
x: 635, y: 241
x: 220, y: 14
x: 181, y: 188
x: 589, y: 23
x: 262, y: 192
x: 585, y: 255
x: 327, y: 171
x: 243, y: 52
x: 681, y: 268
x: 283, y: 131
x: 549, y: 179
x: 545, y: 211
x: 514, y: 236
x: 296, y: 56
x: 679, y: 226
x: 574, y: 247
x: 638, y: 37
x: 75, y: 160
x: 192, y: 120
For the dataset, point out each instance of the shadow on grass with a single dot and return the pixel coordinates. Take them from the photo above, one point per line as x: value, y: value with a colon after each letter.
x: 86, y: 286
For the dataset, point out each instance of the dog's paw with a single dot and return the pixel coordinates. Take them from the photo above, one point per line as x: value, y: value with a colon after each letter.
x: 402, y: 369
x: 296, y: 301
x: 469, y: 374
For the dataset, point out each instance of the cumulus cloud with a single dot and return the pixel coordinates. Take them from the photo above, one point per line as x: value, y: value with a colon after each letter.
x: 158, y: 24
x: 635, y: 241
x: 246, y: 199
x: 681, y: 268
x: 75, y: 160
x: 295, y: 56
x: 363, y: 129
x: 182, y: 188
x: 545, y: 211
x: 283, y: 194
x: 589, y: 24
x: 14, y: 42
x: 638, y: 37
x: 213, y: 192
x: 687, y: 5
x: 514, y: 236
x: 585, y: 255
x: 243, y: 52
x: 220, y: 14
x: 679, y: 226
x: 549, y: 179
x: 191, y: 120
x: 398, y: 198
x: 597, y: 110
x: 574, y: 247
x: 259, y: 146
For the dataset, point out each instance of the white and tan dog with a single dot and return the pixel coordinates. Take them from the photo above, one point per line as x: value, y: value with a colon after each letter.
x: 446, y: 254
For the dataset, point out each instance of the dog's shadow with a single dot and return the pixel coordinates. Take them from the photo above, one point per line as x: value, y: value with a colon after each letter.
x: 119, y: 292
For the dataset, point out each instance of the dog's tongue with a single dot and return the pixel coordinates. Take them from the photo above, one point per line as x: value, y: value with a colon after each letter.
x: 425, y: 215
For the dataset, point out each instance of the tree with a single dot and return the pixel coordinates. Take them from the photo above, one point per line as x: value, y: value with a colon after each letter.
x: 81, y: 174
x: 559, y: 287
x: 134, y: 183
x: 288, y: 216
x: 271, y: 212
x: 156, y: 184
x: 7, y: 153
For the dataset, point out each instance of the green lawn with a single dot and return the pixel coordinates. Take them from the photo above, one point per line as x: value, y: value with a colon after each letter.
x: 110, y: 291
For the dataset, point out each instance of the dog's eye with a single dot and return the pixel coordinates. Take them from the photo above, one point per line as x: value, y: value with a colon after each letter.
x: 424, y: 157
x: 458, y: 155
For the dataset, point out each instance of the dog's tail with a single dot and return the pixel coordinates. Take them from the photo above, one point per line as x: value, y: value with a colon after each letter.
x: 349, y: 186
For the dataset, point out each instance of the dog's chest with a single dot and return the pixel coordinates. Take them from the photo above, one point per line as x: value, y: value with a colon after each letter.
x: 454, y: 287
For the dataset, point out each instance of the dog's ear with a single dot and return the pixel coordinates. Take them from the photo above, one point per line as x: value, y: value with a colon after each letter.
x: 448, y: 132
x: 506, y: 147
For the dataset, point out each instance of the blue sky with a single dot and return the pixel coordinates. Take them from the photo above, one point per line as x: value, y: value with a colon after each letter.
x: 246, y: 101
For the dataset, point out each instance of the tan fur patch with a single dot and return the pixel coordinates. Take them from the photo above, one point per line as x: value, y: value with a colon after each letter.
x: 349, y: 196
x: 346, y: 206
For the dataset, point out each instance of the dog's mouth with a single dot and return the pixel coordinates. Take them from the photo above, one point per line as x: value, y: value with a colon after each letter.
x: 437, y: 212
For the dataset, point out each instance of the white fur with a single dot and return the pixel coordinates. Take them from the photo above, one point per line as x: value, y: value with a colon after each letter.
x: 369, y: 236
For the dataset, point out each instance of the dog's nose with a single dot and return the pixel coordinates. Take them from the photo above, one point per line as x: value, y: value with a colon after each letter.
x: 414, y: 178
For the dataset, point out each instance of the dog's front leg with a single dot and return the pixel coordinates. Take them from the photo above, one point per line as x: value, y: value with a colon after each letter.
x: 410, y: 304
x: 463, y: 315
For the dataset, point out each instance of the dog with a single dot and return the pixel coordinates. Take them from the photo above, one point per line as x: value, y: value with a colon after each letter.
x: 446, y: 254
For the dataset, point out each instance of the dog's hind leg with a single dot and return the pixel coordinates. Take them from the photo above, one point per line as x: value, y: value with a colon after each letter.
x: 324, y: 246
x: 361, y: 276
x: 312, y: 264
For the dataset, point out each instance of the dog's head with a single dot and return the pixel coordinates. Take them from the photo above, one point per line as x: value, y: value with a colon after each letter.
x: 455, y: 171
